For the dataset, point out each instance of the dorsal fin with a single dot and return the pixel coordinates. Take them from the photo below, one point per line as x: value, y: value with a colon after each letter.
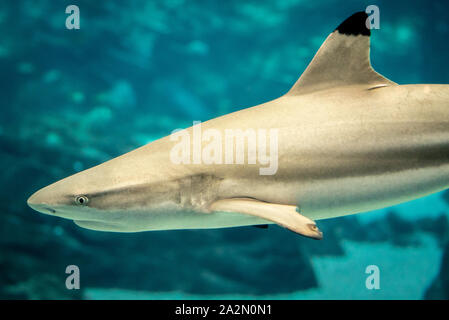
x: 343, y: 59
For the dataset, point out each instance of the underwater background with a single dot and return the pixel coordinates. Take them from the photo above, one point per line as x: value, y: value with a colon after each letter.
x: 136, y: 70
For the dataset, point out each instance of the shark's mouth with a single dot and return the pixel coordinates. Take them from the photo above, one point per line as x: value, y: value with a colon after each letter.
x: 99, y: 225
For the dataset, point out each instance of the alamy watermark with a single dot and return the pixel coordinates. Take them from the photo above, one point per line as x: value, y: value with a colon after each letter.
x: 373, y: 20
x: 73, y: 280
x: 73, y: 20
x: 213, y: 146
x: 372, y: 282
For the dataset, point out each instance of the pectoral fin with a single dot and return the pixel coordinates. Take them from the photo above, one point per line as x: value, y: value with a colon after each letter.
x: 283, y: 215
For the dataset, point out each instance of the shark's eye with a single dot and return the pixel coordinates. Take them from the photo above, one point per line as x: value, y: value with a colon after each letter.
x: 81, y: 200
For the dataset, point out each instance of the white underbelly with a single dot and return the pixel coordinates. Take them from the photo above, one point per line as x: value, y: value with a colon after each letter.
x: 333, y: 197
x: 330, y: 198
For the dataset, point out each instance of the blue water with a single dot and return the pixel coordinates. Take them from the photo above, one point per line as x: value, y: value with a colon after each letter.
x: 136, y: 70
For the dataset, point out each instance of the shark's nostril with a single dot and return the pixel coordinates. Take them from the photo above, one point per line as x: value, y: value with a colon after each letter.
x: 41, y: 207
x: 50, y: 210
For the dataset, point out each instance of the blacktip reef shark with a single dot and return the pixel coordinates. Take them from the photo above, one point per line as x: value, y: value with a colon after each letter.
x: 350, y: 141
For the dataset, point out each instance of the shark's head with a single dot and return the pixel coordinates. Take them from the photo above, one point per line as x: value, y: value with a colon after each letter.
x: 98, y: 198
x: 69, y: 199
x: 112, y: 196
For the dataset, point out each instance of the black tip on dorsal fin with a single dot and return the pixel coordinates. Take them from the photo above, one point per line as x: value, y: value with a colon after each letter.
x: 355, y: 25
x: 342, y: 60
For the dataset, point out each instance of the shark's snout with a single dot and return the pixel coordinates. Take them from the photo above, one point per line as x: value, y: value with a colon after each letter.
x: 37, y: 202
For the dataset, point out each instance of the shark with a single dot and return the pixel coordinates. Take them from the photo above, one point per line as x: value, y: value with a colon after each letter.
x: 349, y: 141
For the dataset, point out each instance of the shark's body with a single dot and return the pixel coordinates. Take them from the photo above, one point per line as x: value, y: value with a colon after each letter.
x: 350, y: 141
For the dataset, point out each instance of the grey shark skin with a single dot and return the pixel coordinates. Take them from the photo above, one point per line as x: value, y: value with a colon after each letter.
x: 350, y: 141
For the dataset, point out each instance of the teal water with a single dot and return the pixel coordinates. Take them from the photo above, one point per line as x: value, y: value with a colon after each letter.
x: 136, y: 70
